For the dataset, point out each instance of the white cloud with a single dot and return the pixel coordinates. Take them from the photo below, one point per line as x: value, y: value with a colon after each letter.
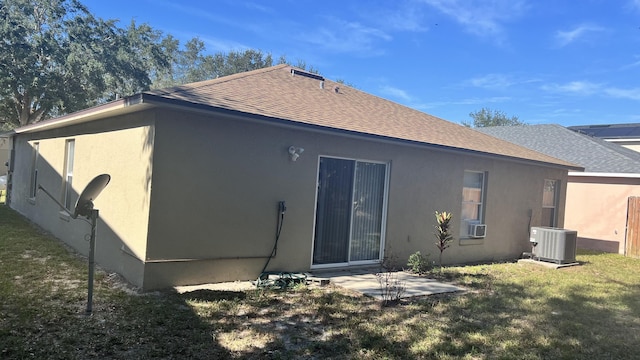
x: 579, y: 33
x: 395, y: 92
x: 585, y: 88
x: 492, y: 81
x: 573, y: 87
x: 408, y: 17
x: 632, y: 94
x: 484, y: 17
x: 346, y: 37
x: 631, y: 65
x: 467, y: 101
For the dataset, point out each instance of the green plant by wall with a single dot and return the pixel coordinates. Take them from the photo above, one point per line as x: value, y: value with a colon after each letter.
x: 443, y: 234
x: 418, y: 263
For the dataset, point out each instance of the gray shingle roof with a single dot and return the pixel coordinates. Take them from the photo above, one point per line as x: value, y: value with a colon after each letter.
x: 595, y: 155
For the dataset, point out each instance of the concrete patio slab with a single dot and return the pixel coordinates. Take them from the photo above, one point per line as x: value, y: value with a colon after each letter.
x: 362, y: 280
x: 367, y: 283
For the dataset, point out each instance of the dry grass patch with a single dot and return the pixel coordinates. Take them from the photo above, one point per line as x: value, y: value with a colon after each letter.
x: 511, y: 311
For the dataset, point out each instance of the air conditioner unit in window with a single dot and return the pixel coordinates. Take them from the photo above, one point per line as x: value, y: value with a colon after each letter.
x: 477, y: 231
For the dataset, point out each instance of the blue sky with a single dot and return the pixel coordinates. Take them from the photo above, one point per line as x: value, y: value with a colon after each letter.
x: 568, y: 62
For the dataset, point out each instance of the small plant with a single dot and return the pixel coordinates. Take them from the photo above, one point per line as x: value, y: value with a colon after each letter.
x: 418, y: 263
x: 391, y: 289
x: 443, y: 234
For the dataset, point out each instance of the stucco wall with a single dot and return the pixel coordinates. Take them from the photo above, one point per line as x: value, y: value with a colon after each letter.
x: 597, y: 209
x: 4, y: 154
x: 121, y: 148
x: 217, y: 182
x: 629, y: 144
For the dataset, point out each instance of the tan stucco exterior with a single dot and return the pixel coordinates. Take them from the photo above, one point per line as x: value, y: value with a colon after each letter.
x: 239, y: 170
x: 5, y: 149
x: 633, y: 144
x: 597, y: 209
x: 193, y: 196
x: 122, y: 148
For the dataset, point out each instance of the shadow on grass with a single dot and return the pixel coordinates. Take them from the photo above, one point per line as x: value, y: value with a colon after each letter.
x: 43, y: 300
x: 213, y: 295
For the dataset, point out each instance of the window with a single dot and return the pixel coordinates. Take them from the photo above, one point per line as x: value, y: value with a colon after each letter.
x: 68, y: 174
x: 350, y: 212
x: 472, y: 201
x: 33, y: 187
x: 549, y: 203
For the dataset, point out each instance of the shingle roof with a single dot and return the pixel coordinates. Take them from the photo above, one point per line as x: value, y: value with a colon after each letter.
x: 276, y: 92
x: 595, y: 155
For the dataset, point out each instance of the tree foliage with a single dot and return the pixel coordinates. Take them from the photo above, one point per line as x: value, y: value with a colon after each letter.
x: 56, y: 57
x: 488, y: 117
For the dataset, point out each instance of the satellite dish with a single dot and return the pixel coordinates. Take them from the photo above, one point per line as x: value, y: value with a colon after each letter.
x: 84, y: 205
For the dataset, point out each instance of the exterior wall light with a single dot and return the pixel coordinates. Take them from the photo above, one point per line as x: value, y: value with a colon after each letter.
x: 295, y: 152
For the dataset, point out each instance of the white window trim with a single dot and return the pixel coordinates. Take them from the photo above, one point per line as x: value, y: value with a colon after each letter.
x: 555, y: 200
x: 33, y: 183
x: 69, y: 158
x: 465, y: 239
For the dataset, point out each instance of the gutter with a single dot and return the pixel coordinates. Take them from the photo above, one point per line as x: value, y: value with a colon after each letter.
x: 82, y: 116
x: 603, y: 174
x: 181, y: 104
x: 101, y: 111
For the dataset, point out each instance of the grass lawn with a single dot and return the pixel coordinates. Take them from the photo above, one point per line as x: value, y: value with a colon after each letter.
x: 511, y: 311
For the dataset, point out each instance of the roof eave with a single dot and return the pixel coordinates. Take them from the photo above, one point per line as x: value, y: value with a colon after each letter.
x: 605, y: 174
x: 163, y: 101
x: 124, y: 105
x: 133, y: 103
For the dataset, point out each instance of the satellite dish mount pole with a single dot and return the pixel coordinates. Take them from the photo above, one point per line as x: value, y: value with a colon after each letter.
x: 92, y: 263
x: 84, y: 207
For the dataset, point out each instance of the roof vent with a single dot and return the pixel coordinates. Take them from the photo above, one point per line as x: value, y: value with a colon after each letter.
x: 299, y: 72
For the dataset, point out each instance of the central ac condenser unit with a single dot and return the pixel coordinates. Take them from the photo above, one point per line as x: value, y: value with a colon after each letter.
x: 553, y: 244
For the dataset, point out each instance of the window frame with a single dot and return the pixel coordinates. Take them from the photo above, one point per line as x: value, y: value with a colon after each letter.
x: 556, y: 189
x: 482, y: 207
x: 67, y: 180
x: 33, y: 182
x: 384, y: 214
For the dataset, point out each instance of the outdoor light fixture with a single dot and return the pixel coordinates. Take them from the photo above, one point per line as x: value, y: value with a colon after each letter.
x: 295, y: 152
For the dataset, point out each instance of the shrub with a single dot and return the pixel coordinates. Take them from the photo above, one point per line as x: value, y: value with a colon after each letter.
x: 419, y: 263
x: 443, y: 234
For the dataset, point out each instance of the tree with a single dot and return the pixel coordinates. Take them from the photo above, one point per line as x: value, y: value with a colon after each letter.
x: 192, y: 64
x: 56, y: 58
x: 487, y: 117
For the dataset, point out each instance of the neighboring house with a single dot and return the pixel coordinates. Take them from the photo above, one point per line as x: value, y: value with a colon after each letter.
x: 5, y: 147
x: 598, y: 198
x: 627, y: 135
x: 198, y: 173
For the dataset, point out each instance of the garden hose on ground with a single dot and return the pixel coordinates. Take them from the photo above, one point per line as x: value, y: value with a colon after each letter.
x: 278, y: 279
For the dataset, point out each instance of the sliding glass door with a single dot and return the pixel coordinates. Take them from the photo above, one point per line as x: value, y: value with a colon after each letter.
x: 349, y: 211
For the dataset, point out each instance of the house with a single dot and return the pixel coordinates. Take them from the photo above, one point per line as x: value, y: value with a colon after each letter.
x: 598, y: 199
x: 4, y: 152
x: 206, y: 176
x: 627, y: 135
